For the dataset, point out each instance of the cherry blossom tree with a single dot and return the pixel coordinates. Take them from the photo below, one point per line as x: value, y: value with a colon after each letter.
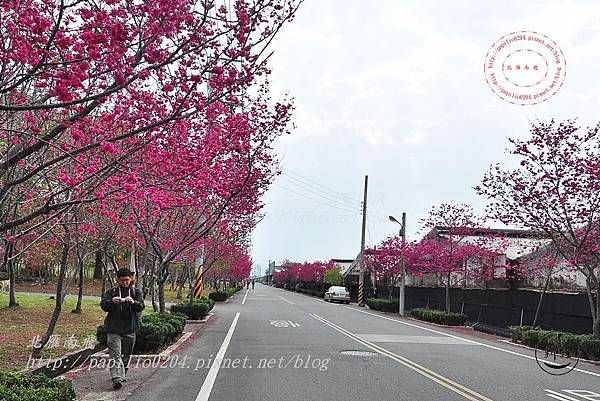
x: 555, y: 189
x: 86, y: 85
x: 384, y: 261
x: 446, y: 250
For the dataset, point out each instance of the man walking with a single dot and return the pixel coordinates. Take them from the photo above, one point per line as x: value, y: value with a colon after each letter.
x: 123, y: 303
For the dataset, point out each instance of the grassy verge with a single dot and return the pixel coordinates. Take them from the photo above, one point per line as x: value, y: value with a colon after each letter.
x: 90, y: 287
x: 94, y: 288
x: 20, y: 325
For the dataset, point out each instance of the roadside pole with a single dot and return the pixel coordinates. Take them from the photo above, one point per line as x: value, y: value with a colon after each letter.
x: 361, y: 275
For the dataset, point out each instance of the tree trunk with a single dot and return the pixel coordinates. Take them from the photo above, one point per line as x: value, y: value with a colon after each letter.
x: 103, y: 285
x: 183, y: 280
x: 153, y: 294
x: 81, y: 283
x: 539, y: 305
x: 98, y: 273
x: 9, y: 263
x: 37, y: 351
x: 594, y: 306
x: 161, y: 297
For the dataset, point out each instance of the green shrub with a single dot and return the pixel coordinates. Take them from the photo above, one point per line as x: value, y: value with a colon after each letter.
x: 218, y: 296
x: 590, y: 347
x: 585, y: 346
x: 569, y: 344
x: 194, y: 311
x: 27, y: 387
x: 383, y: 304
x: 207, y: 301
x: 517, y: 332
x: 550, y: 339
x: 532, y: 337
x: 373, y: 303
x: 151, y: 336
x: 440, y: 317
x: 155, y: 331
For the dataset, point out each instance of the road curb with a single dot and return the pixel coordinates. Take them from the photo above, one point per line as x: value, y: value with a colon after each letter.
x: 185, y: 336
x: 206, y: 319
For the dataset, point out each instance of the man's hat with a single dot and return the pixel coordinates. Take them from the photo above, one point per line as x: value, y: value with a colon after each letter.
x: 124, y: 272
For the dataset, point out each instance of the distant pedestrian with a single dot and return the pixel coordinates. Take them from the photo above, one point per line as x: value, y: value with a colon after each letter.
x: 252, y: 284
x: 123, y: 304
x: 247, y: 285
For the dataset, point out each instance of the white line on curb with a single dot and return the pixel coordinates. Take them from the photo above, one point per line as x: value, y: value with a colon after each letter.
x: 214, y: 369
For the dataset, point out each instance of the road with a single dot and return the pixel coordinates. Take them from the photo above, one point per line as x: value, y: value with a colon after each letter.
x: 279, y: 345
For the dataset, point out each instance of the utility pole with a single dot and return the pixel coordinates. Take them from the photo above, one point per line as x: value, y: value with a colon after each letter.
x: 402, y: 269
x: 401, y: 295
x: 361, y: 275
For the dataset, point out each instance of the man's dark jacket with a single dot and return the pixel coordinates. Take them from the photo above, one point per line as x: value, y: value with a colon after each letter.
x: 122, y: 318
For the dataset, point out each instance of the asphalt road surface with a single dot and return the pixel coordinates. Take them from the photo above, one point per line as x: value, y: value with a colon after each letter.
x: 273, y: 344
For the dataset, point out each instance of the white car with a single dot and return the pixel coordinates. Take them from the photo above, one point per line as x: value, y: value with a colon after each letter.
x: 337, y: 293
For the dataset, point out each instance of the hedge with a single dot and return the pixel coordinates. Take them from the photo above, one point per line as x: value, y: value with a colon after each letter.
x: 440, y: 317
x: 192, y: 310
x: 155, y: 331
x: 586, y: 346
x: 232, y: 290
x: 16, y: 386
x: 383, y: 304
x: 218, y: 296
x: 209, y: 302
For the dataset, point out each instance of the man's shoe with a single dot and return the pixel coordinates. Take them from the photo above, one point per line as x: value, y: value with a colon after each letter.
x: 117, y: 385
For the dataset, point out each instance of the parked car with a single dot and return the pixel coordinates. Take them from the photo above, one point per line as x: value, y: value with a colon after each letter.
x: 337, y: 293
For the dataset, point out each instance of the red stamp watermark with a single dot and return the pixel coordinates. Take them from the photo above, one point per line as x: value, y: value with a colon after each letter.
x: 525, y: 68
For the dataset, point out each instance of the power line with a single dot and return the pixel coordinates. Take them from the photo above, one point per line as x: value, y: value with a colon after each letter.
x: 316, y: 200
x: 320, y: 193
x: 313, y: 183
x: 369, y: 233
x: 370, y: 214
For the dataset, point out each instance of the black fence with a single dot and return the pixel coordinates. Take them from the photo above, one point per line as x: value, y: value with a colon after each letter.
x: 503, y: 308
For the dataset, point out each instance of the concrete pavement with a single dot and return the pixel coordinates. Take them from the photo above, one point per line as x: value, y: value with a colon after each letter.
x: 278, y: 345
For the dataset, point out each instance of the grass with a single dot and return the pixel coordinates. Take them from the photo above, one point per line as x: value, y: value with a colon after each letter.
x: 91, y: 287
x: 21, y: 324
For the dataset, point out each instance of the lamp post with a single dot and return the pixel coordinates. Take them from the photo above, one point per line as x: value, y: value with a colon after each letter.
x: 402, y: 266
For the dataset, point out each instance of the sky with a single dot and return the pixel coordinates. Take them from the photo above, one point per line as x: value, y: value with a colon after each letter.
x: 396, y: 90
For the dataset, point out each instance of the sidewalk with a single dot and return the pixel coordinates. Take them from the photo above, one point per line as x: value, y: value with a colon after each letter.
x: 92, y: 381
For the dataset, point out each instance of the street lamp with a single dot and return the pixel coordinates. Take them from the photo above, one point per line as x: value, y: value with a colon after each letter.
x: 401, y: 295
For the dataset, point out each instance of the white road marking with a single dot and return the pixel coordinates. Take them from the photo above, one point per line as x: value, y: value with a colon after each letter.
x: 289, y: 302
x: 214, y: 369
x: 264, y: 299
x: 283, y: 323
x: 245, y: 295
x: 431, y: 375
x: 395, y: 338
x: 585, y: 394
x: 462, y: 338
x: 559, y: 396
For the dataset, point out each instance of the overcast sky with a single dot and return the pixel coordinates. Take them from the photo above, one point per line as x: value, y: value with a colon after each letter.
x: 396, y: 90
